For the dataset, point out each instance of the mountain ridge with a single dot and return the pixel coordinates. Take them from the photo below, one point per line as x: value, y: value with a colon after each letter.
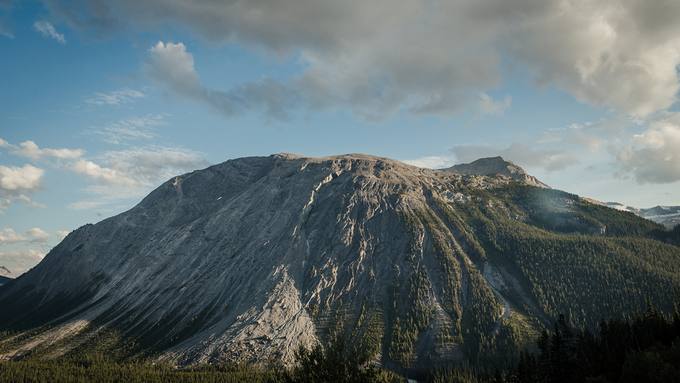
x: 496, y: 166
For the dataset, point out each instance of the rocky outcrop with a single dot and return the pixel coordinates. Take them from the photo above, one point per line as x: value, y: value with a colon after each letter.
x: 497, y: 167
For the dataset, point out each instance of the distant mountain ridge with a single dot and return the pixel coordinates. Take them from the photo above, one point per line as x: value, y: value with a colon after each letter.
x: 669, y: 216
x: 249, y: 259
x: 496, y: 166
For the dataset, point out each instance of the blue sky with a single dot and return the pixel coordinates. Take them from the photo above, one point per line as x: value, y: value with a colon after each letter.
x: 102, y: 101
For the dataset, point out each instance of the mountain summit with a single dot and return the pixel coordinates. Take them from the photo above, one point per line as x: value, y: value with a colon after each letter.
x: 252, y: 258
x: 497, y: 166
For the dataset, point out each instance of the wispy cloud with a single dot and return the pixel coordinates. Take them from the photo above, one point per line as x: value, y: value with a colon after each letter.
x: 432, y: 162
x: 131, y: 173
x: 173, y: 66
x: 131, y: 129
x: 116, y: 97
x: 487, y: 105
x: 46, y: 29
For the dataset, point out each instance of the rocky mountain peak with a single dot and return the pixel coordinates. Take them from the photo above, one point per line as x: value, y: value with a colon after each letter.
x: 494, y: 167
x: 249, y: 259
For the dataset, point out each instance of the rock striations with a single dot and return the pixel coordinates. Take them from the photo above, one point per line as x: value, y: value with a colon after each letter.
x: 252, y: 258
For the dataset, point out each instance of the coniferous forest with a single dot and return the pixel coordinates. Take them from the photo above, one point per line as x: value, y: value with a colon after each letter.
x: 644, y: 348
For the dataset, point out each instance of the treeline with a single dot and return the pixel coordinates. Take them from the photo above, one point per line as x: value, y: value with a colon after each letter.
x: 336, y: 362
x: 645, y: 348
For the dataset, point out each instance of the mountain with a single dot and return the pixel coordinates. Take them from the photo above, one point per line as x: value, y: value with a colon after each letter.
x: 496, y: 167
x: 249, y: 259
x: 669, y: 216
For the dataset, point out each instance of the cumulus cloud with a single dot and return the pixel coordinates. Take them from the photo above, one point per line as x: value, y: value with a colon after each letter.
x: 102, y: 174
x: 131, y: 129
x: 30, y: 149
x: 519, y: 153
x: 116, y: 97
x: 17, y: 179
x: 35, y: 235
x: 46, y: 29
x: 423, y: 56
x: 17, y: 183
x: 653, y: 156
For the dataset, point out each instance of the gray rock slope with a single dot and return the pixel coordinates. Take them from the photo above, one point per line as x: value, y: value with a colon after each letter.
x: 251, y: 258
x: 496, y: 166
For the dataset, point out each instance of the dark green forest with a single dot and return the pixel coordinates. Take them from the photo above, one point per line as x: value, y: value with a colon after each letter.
x: 644, y: 348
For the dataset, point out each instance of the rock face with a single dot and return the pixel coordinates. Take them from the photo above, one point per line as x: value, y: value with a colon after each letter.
x: 251, y: 258
x: 497, y: 167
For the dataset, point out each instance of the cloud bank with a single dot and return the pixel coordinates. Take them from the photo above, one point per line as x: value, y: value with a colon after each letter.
x: 423, y: 56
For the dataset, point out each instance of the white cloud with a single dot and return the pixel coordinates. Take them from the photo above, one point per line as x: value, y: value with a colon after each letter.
x: 8, y: 235
x: 116, y: 97
x: 131, y: 173
x: 20, y: 261
x: 17, y: 183
x: 61, y: 234
x: 15, y: 179
x: 131, y: 129
x: 377, y: 57
x: 46, y: 29
x: 488, y: 105
x: 31, y: 150
x: 432, y: 162
x: 653, y: 156
x: 36, y: 235
x: 102, y: 174
x: 172, y: 63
